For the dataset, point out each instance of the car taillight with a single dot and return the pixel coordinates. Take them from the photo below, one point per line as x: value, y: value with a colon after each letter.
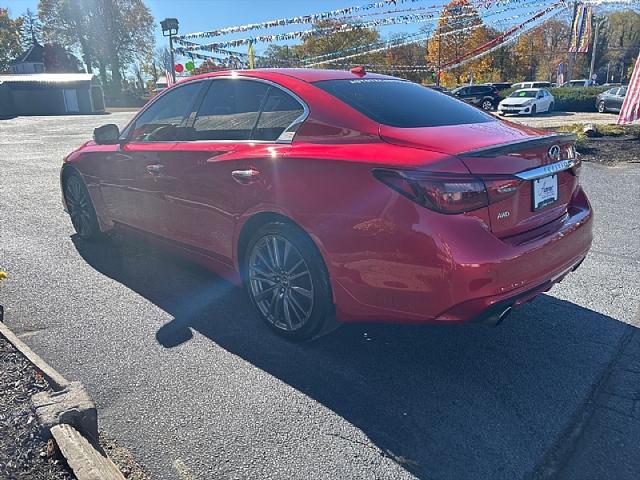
x: 448, y: 193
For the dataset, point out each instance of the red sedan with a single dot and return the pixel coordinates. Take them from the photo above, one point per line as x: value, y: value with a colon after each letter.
x: 340, y: 196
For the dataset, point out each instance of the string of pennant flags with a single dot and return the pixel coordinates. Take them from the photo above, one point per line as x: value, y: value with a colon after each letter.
x: 317, y: 17
x: 186, y: 46
x: 505, y: 38
x: 193, y: 50
x: 411, y: 38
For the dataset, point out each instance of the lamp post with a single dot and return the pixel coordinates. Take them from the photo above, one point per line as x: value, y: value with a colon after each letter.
x: 169, y: 29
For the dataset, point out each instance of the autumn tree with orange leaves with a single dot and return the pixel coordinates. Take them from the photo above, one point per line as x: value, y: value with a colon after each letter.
x: 460, y: 29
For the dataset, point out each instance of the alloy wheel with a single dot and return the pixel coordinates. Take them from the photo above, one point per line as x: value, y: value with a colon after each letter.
x: 280, y: 282
x: 487, y: 105
x: 79, y: 206
x: 601, y: 107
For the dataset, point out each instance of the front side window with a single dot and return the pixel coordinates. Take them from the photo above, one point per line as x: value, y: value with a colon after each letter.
x: 230, y: 110
x: 165, y: 119
x: 399, y: 103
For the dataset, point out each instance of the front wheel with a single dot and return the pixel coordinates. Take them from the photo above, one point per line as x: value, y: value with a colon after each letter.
x: 487, y: 105
x: 533, y: 110
x: 601, y: 107
x: 550, y: 109
x: 80, y: 208
x: 287, y: 281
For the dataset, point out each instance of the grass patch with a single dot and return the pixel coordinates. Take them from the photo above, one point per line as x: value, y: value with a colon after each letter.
x: 602, y: 130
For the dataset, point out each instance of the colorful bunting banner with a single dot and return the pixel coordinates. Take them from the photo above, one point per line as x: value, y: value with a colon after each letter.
x: 342, y: 12
x: 581, y: 29
x: 317, y: 17
x: 382, y: 46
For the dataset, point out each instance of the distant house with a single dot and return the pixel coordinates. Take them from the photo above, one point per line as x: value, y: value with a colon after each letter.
x: 31, y: 61
x: 161, y: 84
x: 50, y: 94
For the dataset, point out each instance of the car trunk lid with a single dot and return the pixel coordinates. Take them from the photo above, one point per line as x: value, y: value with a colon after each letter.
x: 512, y: 161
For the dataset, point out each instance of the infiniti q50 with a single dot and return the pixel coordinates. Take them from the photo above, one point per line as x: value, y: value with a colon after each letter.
x: 337, y: 196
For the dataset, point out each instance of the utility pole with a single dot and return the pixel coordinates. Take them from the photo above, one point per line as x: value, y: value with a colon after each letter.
x: 439, y: 55
x: 594, y: 48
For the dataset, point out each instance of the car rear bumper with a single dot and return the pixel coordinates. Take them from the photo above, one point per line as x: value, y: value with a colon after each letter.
x: 477, y: 274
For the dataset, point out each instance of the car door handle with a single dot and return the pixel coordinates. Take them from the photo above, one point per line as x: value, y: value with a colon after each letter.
x: 245, y: 177
x: 155, y: 168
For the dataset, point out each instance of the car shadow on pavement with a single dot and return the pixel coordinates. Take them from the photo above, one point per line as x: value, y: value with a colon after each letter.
x: 445, y: 402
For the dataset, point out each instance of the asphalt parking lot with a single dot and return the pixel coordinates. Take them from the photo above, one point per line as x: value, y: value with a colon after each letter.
x: 195, y: 387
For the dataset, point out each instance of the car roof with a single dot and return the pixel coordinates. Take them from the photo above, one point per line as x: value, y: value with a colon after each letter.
x: 309, y: 75
x: 529, y: 89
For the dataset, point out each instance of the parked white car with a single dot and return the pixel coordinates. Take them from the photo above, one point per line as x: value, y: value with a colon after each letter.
x: 528, y: 101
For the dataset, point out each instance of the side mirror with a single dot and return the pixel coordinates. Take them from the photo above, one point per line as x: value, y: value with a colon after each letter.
x: 107, y: 134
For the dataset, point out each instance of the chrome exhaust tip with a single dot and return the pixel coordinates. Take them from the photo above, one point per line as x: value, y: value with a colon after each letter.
x: 497, y: 318
x: 505, y: 313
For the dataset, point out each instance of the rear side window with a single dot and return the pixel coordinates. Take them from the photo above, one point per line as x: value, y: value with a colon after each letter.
x: 164, y: 119
x: 229, y: 110
x: 400, y: 103
x: 280, y: 110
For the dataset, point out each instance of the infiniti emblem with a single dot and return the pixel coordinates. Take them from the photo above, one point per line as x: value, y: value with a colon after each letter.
x: 554, y: 153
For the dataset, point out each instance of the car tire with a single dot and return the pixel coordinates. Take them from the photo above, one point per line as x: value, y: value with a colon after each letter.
x: 533, y: 110
x: 81, y: 210
x: 487, y: 105
x: 287, y: 282
x: 602, y: 108
x: 550, y: 109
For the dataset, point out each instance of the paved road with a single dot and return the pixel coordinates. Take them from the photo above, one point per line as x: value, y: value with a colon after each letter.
x: 187, y: 379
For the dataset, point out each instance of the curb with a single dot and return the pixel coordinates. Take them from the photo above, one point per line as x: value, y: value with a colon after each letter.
x: 69, y: 403
x: 57, y: 381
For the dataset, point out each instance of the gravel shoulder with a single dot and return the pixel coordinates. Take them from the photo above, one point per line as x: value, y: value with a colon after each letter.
x: 24, y: 453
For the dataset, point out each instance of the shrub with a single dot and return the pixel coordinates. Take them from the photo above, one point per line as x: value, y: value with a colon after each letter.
x: 571, y: 99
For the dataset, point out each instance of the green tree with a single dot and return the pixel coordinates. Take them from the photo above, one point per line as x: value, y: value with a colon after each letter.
x: 70, y: 23
x: 621, y: 41
x: 407, y: 55
x: 337, y: 41
x: 9, y: 39
x: 58, y: 59
x: 279, y: 56
x: 114, y: 35
x: 31, y: 31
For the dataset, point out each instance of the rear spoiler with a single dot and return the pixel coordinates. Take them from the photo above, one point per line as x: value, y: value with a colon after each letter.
x: 518, y: 145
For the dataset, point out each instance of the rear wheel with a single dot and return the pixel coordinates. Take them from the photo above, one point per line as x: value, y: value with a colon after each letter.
x: 602, y: 107
x: 287, y: 281
x: 80, y: 207
x: 487, y: 104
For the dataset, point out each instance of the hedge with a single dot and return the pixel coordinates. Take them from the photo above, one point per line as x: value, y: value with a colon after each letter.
x: 571, y: 99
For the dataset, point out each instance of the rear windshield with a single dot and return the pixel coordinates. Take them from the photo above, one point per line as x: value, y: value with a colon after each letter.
x: 400, y: 103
